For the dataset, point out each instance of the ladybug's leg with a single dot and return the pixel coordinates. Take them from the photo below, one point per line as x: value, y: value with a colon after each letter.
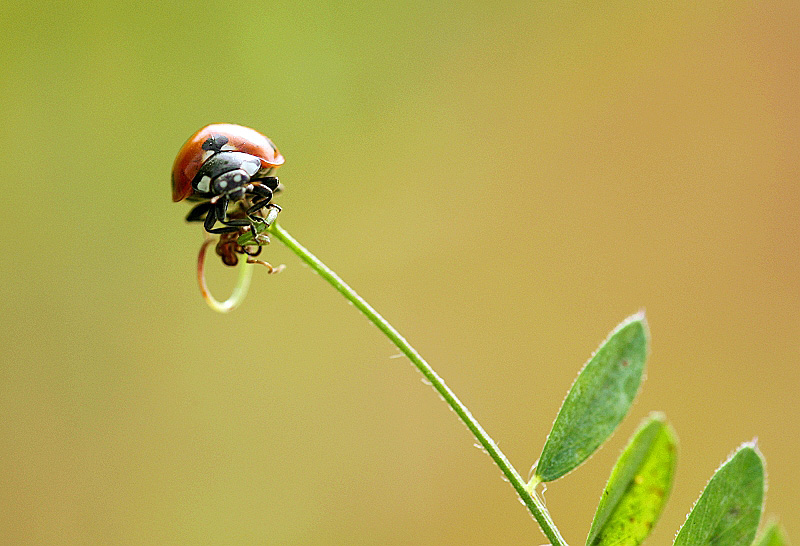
x: 254, y: 253
x: 218, y: 211
x: 271, y: 182
x: 264, y: 193
x: 263, y: 197
x: 213, y: 220
x: 199, y: 213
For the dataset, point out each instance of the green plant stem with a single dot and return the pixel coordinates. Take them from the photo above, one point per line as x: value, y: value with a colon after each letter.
x: 533, y: 503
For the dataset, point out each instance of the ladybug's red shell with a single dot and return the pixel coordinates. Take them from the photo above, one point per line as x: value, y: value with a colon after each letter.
x: 241, y: 139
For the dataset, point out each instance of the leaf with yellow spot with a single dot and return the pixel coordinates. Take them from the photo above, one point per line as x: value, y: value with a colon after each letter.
x: 637, y: 488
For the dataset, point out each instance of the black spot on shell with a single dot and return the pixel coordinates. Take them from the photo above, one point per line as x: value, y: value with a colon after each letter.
x: 215, y: 143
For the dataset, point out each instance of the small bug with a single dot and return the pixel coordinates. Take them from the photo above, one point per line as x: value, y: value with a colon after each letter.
x: 222, y: 165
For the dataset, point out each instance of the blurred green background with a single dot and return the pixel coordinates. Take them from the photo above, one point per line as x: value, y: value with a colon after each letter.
x: 504, y: 181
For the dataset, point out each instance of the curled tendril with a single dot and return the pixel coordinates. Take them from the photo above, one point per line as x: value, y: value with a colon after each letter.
x: 227, y: 249
x: 239, y: 291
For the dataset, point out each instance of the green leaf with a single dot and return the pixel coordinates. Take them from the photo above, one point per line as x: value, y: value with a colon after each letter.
x: 728, y: 511
x: 773, y: 535
x: 598, y: 400
x: 638, y: 487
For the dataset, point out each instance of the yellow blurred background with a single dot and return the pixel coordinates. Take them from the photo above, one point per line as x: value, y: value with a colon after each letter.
x: 505, y: 182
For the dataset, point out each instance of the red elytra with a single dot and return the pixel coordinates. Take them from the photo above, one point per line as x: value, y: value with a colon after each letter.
x: 241, y: 139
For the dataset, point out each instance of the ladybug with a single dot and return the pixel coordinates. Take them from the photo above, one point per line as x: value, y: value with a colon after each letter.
x: 223, y: 165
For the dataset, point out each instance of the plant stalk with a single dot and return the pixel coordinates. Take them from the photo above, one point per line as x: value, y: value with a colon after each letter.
x: 534, y: 505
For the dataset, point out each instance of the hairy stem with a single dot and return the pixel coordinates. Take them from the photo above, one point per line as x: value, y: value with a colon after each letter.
x: 533, y: 503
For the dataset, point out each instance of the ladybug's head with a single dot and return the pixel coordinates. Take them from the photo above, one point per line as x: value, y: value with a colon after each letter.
x: 231, y: 183
x: 226, y: 172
